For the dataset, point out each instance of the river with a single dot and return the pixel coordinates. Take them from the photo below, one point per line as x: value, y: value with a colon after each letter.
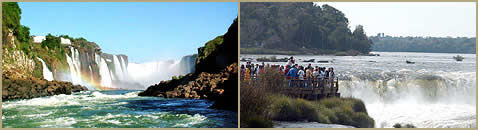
x: 434, y: 92
x: 113, y: 109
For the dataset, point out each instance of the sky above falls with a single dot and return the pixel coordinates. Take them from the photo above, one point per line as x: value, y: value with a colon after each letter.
x: 144, y: 31
x: 436, y: 19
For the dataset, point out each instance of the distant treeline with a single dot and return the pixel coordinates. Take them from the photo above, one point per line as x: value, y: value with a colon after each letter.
x: 298, y: 27
x: 424, y: 44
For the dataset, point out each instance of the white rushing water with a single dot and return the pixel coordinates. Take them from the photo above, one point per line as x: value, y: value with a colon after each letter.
x: 435, y: 92
x: 118, y: 69
x: 150, y: 73
x: 115, y: 72
x: 124, y: 67
x: 74, y: 65
x: 105, y: 75
x: 47, y: 74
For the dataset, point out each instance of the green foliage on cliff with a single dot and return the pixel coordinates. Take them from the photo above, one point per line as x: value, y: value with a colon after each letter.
x: 11, y: 20
x: 424, y: 44
x: 292, y: 26
x: 209, y: 47
x: 51, y: 42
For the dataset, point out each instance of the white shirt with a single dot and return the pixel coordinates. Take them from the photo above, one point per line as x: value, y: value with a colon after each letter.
x: 331, y: 75
x: 322, y: 74
x: 315, y: 73
x: 301, y: 74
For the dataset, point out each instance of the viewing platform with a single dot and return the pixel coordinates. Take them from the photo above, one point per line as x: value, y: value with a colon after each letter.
x: 310, y: 89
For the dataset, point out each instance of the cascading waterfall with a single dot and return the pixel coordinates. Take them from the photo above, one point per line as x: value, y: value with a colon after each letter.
x: 442, y: 99
x: 153, y: 72
x: 47, y: 74
x: 118, y: 69
x: 124, y: 67
x: 75, y: 73
x: 106, y: 79
x: 91, y: 73
x: 115, y: 71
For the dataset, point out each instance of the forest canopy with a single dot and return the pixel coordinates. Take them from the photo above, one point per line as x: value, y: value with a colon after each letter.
x: 298, y: 27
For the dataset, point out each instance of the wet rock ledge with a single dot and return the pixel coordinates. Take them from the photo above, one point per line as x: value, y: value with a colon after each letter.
x: 31, y: 87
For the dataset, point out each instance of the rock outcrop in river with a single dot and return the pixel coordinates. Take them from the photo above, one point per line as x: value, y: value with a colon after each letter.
x: 215, y: 77
x: 32, y: 87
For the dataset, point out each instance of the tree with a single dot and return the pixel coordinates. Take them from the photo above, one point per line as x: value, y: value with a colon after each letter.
x: 10, y: 18
x: 293, y: 26
x: 51, y: 42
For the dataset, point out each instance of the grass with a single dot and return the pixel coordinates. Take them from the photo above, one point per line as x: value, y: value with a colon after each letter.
x: 261, y: 104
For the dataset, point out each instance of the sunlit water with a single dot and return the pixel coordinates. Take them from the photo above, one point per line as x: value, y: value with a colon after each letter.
x: 434, y: 92
x: 113, y: 109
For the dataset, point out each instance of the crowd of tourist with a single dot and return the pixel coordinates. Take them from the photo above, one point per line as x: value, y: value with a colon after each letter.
x: 291, y: 71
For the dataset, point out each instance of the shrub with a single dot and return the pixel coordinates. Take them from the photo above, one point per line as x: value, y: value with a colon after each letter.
x: 261, y: 103
x: 256, y: 122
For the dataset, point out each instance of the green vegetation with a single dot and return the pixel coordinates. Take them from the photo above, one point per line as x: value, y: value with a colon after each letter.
x: 292, y: 27
x: 10, y: 18
x: 260, y: 105
x: 51, y: 42
x: 209, y: 47
x: 50, y: 50
x: 424, y: 44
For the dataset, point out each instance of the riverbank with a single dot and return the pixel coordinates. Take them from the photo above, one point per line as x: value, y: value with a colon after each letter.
x: 300, y: 51
x: 31, y: 87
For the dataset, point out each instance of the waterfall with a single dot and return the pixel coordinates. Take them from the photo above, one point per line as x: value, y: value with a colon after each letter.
x: 91, y: 73
x: 434, y: 99
x: 47, y: 74
x: 75, y: 72
x: 118, y: 69
x: 106, y: 80
x: 123, y: 67
x: 116, y: 72
x: 150, y: 73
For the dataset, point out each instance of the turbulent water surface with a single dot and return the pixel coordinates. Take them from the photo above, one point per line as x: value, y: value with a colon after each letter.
x: 113, y: 109
x: 434, y: 92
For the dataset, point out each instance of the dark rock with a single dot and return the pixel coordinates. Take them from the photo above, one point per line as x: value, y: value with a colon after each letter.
x: 215, y: 76
x: 25, y: 88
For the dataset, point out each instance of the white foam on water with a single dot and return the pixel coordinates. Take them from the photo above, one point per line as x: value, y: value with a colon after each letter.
x: 88, y: 97
x: 62, y: 122
x: 191, y: 120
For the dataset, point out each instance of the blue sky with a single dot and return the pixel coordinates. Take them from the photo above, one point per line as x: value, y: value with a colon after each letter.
x: 150, y: 31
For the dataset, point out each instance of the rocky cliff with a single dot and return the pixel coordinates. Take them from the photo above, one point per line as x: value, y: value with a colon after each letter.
x: 51, y: 62
x: 215, y: 76
x: 32, y: 87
